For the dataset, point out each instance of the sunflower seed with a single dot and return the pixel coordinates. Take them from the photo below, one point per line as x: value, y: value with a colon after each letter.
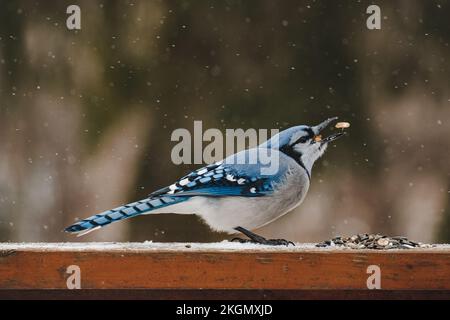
x: 373, y: 241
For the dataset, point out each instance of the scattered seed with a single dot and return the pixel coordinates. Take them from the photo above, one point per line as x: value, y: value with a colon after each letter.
x: 373, y: 241
x: 383, y: 242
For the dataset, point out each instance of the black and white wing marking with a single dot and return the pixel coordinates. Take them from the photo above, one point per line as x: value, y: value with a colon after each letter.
x: 216, y: 180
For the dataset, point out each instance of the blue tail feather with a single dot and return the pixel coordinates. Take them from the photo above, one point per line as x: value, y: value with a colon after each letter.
x: 123, y: 212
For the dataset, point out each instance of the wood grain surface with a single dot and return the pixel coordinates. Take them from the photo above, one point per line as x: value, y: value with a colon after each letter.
x: 196, y: 267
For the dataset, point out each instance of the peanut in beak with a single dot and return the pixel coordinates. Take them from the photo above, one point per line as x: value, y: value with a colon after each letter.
x: 342, y: 125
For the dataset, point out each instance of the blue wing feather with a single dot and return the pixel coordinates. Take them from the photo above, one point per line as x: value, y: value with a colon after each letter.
x: 218, y: 180
x: 212, y: 191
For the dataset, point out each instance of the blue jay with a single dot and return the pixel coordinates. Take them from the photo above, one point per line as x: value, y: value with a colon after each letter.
x: 232, y: 197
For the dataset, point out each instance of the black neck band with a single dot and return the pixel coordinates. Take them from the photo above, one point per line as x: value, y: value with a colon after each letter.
x: 297, y: 157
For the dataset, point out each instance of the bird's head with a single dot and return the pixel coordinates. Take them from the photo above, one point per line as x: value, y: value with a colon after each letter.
x: 304, y: 143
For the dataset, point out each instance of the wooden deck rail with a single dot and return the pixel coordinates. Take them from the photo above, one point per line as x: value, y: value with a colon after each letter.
x: 228, y: 270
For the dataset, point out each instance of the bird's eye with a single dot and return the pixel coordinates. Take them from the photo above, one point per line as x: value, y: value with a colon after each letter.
x: 302, y: 139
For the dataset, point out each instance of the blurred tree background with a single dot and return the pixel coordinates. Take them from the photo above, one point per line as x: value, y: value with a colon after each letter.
x: 86, y: 116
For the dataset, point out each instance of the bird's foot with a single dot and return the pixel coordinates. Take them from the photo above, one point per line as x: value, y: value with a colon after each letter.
x: 254, y: 238
x: 269, y: 242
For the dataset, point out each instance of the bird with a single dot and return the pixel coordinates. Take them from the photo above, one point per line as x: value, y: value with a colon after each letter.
x: 236, y: 197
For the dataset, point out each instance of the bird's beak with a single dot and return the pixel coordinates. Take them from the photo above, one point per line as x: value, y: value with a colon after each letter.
x: 317, y: 129
x: 332, y: 137
x: 323, y: 125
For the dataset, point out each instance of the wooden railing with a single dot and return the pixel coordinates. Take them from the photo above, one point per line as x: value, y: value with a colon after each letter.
x: 220, y: 270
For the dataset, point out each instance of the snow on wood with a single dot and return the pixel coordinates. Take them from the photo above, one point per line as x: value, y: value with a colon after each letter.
x: 223, y: 246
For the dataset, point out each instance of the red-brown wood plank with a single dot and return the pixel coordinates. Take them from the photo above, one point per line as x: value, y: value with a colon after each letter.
x: 210, y: 268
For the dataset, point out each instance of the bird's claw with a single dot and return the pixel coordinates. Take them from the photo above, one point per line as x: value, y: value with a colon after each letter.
x: 269, y: 242
x: 240, y: 240
x: 280, y: 242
